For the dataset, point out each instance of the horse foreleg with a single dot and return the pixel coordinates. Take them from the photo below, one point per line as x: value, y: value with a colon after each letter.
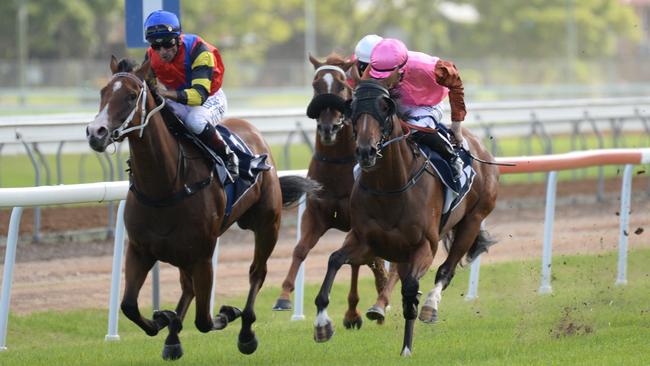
x: 310, y: 231
x: 410, y: 274
x: 378, y: 311
x: 323, y: 327
x: 410, y: 301
x: 136, y: 268
x: 172, y: 349
x: 352, y: 317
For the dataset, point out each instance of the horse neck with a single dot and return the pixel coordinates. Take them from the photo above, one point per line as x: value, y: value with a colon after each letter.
x: 154, y: 156
x: 342, y: 148
x: 395, y: 168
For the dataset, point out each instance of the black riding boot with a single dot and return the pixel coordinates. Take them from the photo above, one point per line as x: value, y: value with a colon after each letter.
x: 210, y: 137
x: 443, y: 147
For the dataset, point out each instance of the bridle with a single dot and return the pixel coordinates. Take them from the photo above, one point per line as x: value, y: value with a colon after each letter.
x: 328, y: 100
x: 120, y: 132
x: 141, y: 102
x: 366, y: 101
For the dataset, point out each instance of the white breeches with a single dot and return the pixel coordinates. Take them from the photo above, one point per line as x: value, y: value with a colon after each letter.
x: 198, y: 116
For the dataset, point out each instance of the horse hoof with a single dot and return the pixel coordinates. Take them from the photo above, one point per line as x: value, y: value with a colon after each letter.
x: 323, y: 333
x: 172, y: 352
x: 219, y: 322
x: 353, y: 323
x: 376, y: 313
x: 282, y: 305
x: 428, y: 314
x: 406, y: 352
x: 249, y: 347
x: 230, y: 312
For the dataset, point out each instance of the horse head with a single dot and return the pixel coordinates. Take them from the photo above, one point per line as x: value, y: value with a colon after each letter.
x: 373, y: 114
x: 121, y: 99
x: 331, y: 92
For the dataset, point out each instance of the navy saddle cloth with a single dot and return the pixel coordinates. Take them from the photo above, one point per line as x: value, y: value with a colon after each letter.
x: 455, y: 191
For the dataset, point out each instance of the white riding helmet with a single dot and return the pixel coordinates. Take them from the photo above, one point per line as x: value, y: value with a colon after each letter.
x: 364, y: 48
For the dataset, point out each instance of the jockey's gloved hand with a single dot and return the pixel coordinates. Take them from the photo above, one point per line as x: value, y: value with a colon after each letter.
x: 456, y: 131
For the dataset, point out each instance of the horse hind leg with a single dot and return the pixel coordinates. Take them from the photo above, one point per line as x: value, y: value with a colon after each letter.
x: 310, y: 231
x: 352, y: 318
x: 265, y: 239
x: 384, y: 285
x: 466, y: 234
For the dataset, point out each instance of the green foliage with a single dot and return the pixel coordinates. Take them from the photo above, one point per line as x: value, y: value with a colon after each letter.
x: 585, y: 321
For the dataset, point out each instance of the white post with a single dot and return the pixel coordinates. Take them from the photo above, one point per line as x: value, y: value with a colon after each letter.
x: 626, y: 191
x: 549, y: 217
x: 215, y: 265
x: 472, y: 292
x: 118, y: 252
x: 155, y: 286
x: 298, y: 294
x: 7, y: 276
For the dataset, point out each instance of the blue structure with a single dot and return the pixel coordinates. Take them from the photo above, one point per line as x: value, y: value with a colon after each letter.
x: 135, y: 13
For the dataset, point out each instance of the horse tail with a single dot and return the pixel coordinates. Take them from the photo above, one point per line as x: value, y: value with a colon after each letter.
x: 481, y: 244
x: 294, y: 186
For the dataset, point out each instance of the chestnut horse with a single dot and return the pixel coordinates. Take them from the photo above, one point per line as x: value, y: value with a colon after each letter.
x: 331, y: 166
x: 396, y: 206
x: 175, y: 209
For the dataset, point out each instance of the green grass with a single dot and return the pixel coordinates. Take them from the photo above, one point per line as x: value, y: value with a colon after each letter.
x: 586, y: 321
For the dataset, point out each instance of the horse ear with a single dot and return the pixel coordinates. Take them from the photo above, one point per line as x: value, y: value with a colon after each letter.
x: 143, y: 72
x: 347, y: 111
x: 315, y: 61
x: 113, y: 64
x: 390, y: 104
x: 355, y: 74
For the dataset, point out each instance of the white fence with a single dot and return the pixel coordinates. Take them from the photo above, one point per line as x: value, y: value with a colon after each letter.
x: 110, y: 191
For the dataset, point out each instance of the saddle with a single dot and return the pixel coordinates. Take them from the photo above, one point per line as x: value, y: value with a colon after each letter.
x: 250, y: 164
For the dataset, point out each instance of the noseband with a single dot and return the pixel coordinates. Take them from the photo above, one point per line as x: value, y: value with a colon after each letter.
x: 142, y: 100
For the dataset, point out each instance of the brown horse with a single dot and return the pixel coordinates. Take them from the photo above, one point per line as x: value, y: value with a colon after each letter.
x: 396, y: 207
x: 331, y: 166
x: 175, y: 209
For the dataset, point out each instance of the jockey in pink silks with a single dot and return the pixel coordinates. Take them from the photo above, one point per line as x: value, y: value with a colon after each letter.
x: 423, y: 82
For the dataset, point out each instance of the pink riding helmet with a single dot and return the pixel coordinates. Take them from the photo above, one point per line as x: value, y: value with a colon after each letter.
x: 388, y: 55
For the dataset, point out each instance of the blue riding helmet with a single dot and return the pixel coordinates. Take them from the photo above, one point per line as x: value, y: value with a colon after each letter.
x: 161, y: 25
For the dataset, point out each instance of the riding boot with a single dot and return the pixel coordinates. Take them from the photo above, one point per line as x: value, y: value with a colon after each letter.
x: 443, y: 147
x: 211, y: 137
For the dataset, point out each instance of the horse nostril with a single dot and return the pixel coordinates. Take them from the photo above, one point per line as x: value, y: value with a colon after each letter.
x: 102, y: 132
x: 87, y: 132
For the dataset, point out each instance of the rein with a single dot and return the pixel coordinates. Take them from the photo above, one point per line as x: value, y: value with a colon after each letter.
x: 141, y: 104
x: 411, y: 182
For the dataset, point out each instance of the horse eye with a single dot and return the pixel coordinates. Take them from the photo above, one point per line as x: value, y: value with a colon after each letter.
x: 131, y: 97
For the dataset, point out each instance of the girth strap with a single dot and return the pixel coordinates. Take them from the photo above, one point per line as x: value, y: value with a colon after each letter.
x: 188, y: 190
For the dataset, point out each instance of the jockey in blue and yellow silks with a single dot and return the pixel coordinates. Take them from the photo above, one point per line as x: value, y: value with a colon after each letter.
x: 190, y: 73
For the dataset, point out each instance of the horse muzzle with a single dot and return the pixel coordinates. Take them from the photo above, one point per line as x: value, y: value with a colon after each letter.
x: 366, y: 156
x: 97, y: 137
x: 328, y: 133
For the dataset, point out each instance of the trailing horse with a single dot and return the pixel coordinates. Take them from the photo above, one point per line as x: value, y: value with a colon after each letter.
x: 177, y: 205
x: 331, y: 166
x: 396, y: 209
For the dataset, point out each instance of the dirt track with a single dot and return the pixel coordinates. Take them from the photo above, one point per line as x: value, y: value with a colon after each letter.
x: 68, y: 272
